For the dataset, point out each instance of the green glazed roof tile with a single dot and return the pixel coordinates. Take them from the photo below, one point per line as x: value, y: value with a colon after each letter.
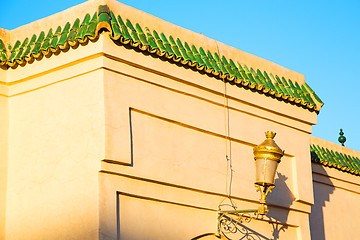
x: 64, y: 34
x: 91, y: 30
x: 174, y: 47
x: 83, y: 27
x: 246, y: 69
x: 268, y: 80
x: 3, y: 57
x: 277, y: 87
x: 278, y: 79
x: 55, y: 38
x: 253, y: 72
x: 251, y: 78
x: 273, y: 79
x: 182, y: 50
x: 297, y: 86
x: 116, y: 33
x: 346, y: 162
x: 314, y: 94
x: 104, y: 22
x: 160, y: 44
x: 30, y: 46
x: 166, y: 44
x: 287, y: 87
x: 14, y: 50
x: 46, y: 42
x: 133, y: 32
x: 220, y: 64
x: 258, y: 80
x: 227, y: 66
x: 292, y: 85
x: 356, y: 162
x: 295, y: 91
x: 242, y: 73
x: 38, y: 42
x: 197, y: 56
x: 285, y: 90
x: 256, y: 77
x: 151, y: 41
x: 283, y: 80
x: 104, y: 14
x: 142, y: 36
x: 123, y: 29
x: 205, y: 58
x: 189, y: 52
x: 351, y: 163
x: 290, y: 91
x: 74, y: 30
x: 213, y: 62
x: 334, y: 159
x: 235, y: 70
x: 22, y: 49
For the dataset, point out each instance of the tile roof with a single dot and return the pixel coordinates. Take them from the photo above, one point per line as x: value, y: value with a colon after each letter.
x: 158, y: 45
x: 334, y: 159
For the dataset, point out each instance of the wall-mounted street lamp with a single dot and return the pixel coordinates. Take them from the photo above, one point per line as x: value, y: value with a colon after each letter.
x: 267, y: 157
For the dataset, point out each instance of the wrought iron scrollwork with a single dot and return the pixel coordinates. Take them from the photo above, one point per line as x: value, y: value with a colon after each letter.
x: 231, y: 226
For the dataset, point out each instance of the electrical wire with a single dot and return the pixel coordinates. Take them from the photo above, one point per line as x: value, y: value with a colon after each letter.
x: 229, y: 168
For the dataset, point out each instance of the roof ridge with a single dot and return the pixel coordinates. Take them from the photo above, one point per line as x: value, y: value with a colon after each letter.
x: 334, y: 159
x: 159, y: 45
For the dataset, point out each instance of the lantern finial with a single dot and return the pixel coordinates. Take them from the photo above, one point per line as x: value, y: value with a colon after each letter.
x: 270, y: 134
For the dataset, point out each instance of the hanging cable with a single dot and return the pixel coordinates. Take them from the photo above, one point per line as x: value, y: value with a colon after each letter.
x: 229, y: 169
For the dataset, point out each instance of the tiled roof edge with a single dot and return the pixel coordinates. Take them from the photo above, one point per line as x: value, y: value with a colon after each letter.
x: 334, y: 159
x: 159, y: 45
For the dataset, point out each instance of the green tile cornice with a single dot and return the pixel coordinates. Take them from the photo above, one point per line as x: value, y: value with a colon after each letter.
x: 334, y: 159
x: 140, y: 38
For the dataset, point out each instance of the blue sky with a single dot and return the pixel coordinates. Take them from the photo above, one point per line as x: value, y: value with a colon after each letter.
x: 320, y: 39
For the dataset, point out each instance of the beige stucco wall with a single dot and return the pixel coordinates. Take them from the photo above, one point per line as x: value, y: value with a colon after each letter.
x: 166, y: 152
x: 4, y: 134
x: 336, y: 209
x: 56, y: 138
x: 160, y: 131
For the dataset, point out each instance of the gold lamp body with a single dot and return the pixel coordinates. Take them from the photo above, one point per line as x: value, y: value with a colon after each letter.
x: 267, y: 158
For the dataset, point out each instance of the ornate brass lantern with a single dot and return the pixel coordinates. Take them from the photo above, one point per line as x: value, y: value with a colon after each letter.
x: 267, y: 157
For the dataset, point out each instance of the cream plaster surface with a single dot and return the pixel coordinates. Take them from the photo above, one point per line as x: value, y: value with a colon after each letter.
x: 4, y: 146
x: 336, y: 210
x: 56, y: 138
x: 167, y: 124
x: 150, y: 120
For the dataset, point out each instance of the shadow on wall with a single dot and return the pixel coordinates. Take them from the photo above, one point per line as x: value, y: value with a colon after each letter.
x: 322, y: 192
x: 281, y: 194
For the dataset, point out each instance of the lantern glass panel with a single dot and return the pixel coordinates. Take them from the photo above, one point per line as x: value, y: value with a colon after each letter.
x: 265, y: 171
